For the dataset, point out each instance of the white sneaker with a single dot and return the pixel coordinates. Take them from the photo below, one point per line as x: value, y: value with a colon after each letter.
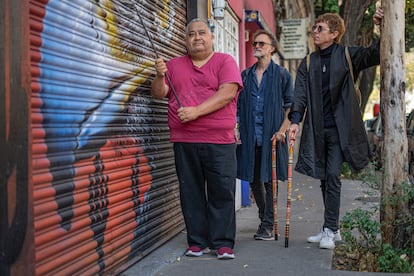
x: 318, y: 237
x: 328, y: 239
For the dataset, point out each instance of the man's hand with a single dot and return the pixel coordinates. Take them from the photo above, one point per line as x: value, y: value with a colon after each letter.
x: 279, y: 136
x: 378, y: 15
x: 160, y: 67
x: 293, y: 132
x: 159, y: 89
x: 187, y: 114
x: 237, y: 134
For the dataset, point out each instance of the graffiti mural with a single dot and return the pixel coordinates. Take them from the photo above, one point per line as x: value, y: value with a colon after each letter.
x: 104, y: 185
x: 14, y: 191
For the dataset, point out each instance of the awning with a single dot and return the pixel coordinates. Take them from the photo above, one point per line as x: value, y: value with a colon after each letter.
x: 256, y: 17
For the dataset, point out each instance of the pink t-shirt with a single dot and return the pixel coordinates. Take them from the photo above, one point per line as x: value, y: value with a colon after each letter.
x: 193, y: 86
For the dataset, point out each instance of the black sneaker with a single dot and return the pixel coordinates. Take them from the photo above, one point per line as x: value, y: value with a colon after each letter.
x: 264, y: 235
x: 259, y: 232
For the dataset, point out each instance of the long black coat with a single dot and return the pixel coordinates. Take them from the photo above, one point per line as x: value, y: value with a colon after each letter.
x: 345, y: 105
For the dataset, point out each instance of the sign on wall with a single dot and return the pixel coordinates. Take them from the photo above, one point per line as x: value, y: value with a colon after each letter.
x: 293, y: 38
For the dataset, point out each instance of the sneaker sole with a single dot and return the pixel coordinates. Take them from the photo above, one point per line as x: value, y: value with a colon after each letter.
x: 225, y: 256
x: 193, y: 254
x: 327, y: 247
x: 337, y: 239
x: 264, y: 239
x: 313, y: 241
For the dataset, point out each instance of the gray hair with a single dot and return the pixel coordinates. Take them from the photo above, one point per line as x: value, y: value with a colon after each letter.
x: 196, y: 20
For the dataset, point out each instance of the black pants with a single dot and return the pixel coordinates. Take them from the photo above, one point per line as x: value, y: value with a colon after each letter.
x: 207, y: 177
x: 331, y: 185
x: 263, y: 194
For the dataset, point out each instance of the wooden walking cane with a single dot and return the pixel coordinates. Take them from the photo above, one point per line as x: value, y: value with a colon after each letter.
x: 289, y: 189
x: 274, y: 190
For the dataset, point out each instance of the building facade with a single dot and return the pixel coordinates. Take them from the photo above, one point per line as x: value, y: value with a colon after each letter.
x: 87, y: 176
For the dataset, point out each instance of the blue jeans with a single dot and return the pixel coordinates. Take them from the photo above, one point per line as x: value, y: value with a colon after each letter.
x: 207, y: 179
x: 331, y: 185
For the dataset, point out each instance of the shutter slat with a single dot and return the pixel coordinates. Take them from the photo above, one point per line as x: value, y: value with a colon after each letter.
x: 104, y: 183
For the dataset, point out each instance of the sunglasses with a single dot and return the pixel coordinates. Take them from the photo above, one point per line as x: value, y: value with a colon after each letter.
x: 260, y: 43
x: 319, y: 28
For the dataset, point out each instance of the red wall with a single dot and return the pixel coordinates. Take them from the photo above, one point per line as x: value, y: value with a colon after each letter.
x: 265, y: 7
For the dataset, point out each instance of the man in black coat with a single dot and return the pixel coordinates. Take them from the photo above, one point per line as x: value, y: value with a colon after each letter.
x: 333, y: 130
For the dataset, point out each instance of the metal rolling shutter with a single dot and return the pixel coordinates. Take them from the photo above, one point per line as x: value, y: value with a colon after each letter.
x: 104, y: 183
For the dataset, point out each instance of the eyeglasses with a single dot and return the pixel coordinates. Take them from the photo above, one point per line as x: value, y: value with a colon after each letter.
x: 260, y: 43
x: 319, y: 28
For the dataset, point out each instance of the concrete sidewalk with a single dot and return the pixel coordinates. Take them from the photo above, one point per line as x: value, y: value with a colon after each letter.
x: 266, y: 257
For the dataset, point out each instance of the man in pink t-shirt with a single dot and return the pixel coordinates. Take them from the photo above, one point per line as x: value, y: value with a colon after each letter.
x: 206, y: 84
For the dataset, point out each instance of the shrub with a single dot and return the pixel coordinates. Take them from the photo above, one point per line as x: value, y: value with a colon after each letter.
x: 394, y: 260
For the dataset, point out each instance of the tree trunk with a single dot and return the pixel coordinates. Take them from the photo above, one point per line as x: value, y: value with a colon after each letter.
x: 395, y: 156
x: 352, y: 11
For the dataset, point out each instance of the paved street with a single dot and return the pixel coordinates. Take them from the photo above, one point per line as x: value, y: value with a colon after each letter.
x: 266, y: 257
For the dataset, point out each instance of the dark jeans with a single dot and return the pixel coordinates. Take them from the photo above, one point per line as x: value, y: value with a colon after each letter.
x: 331, y: 185
x: 207, y: 177
x: 263, y: 194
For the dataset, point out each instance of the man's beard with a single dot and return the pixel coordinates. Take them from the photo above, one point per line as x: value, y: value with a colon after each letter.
x: 258, y: 54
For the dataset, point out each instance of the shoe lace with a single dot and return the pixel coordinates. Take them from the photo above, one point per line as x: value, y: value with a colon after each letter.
x: 328, y: 233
